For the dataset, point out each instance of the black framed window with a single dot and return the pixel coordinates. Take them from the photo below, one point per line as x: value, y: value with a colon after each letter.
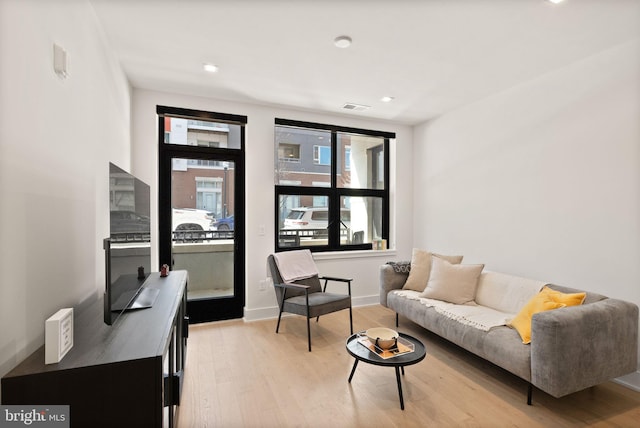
x: 331, y: 186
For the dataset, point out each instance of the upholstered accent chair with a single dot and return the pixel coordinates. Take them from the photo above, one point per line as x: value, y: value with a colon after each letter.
x: 306, y: 296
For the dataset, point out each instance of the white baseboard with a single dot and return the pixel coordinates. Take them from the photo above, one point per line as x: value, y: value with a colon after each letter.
x: 365, y: 301
x: 271, y: 312
x: 260, y: 314
x: 631, y: 381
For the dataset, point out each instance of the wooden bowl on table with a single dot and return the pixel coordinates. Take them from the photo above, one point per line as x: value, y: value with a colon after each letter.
x: 383, y: 337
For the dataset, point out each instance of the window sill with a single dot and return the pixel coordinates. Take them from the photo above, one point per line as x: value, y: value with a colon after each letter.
x: 358, y: 254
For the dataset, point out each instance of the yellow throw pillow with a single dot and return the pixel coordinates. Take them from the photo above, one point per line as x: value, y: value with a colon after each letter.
x: 569, y: 299
x: 421, y: 269
x: 539, y: 303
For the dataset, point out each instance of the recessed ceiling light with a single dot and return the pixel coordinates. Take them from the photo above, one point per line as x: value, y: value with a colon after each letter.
x: 555, y: 1
x: 211, y: 68
x: 386, y: 99
x: 342, y: 41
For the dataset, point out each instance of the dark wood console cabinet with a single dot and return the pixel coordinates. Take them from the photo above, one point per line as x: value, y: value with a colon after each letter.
x: 125, y: 375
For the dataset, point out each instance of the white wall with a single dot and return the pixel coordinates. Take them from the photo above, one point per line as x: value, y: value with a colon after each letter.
x: 56, y: 139
x: 260, y: 190
x: 542, y: 180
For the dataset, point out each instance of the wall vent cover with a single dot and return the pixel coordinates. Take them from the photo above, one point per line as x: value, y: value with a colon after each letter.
x: 355, y: 107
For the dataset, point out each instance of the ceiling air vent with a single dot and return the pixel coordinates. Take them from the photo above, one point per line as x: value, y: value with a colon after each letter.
x: 355, y: 107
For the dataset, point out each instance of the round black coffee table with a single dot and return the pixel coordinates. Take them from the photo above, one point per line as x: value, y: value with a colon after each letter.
x: 362, y: 353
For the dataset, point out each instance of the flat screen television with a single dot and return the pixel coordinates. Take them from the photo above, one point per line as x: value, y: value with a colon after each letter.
x: 128, y: 247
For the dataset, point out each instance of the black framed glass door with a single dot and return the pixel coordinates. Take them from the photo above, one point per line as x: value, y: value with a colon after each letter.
x: 201, y: 208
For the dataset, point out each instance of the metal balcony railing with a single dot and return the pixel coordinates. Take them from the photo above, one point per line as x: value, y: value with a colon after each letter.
x: 293, y: 237
x: 178, y: 236
x: 125, y: 237
x: 201, y: 235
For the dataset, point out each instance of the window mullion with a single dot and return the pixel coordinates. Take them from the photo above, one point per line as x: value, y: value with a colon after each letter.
x: 334, y: 199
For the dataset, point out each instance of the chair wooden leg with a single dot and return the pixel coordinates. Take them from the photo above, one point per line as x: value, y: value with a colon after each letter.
x: 306, y: 292
x: 284, y: 295
x: 529, y: 394
x: 351, y: 319
x: 396, y: 320
x: 309, y: 333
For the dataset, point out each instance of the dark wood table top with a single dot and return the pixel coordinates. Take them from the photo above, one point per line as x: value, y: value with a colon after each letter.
x: 362, y: 353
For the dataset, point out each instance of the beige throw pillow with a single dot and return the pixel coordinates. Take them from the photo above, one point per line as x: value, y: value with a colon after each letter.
x: 452, y: 283
x: 421, y: 267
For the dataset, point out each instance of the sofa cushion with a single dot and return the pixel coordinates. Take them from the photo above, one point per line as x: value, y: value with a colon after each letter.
x: 522, y: 321
x: 454, y: 283
x: 506, y: 293
x: 500, y: 345
x: 421, y: 268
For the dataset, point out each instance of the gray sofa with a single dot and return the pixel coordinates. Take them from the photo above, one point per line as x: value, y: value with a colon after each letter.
x: 571, y: 349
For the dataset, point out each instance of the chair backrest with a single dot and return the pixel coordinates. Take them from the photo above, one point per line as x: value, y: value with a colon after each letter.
x: 313, y: 282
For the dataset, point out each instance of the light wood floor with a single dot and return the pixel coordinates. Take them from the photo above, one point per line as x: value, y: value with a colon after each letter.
x: 245, y: 375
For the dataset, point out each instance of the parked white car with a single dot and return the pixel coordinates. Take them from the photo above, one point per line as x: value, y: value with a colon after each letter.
x: 191, y: 219
x: 313, y: 218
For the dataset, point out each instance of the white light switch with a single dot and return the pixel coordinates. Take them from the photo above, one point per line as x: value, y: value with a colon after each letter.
x: 60, y: 61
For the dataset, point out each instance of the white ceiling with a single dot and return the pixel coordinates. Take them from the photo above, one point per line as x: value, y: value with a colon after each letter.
x: 432, y: 55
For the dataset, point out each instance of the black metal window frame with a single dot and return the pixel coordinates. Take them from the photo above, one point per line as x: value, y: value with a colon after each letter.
x: 333, y: 192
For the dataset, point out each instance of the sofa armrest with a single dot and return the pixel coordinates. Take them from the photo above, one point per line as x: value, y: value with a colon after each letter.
x: 577, y: 347
x: 390, y: 280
